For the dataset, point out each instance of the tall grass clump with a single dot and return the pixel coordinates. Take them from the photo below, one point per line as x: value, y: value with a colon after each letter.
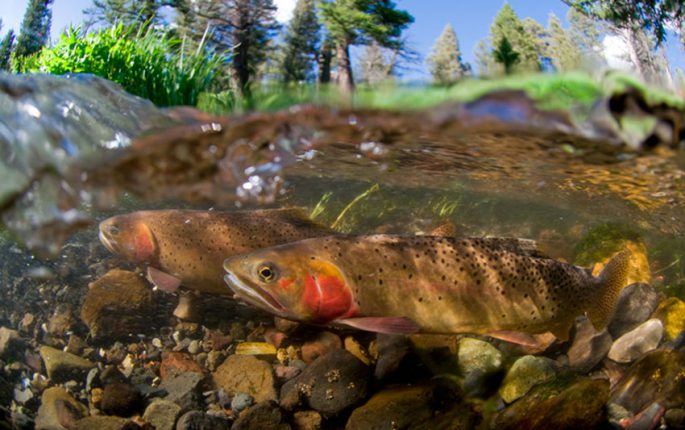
x: 143, y: 61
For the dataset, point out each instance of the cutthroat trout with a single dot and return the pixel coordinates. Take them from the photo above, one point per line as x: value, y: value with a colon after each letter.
x: 183, y: 247
x: 428, y: 284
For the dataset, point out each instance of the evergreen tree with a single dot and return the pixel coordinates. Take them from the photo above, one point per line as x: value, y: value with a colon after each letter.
x: 375, y: 67
x: 505, y: 55
x: 651, y: 15
x: 359, y: 22
x: 445, y: 61
x: 507, y: 25
x: 35, y: 28
x: 537, y: 36
x: 564, y: 54
x: 301, y: 43
x: 6, y: 50
x: 587, y: 34
x: 484, y: 62
x: 641, y: 54
x: 128, y: 12
x: 242, y: 28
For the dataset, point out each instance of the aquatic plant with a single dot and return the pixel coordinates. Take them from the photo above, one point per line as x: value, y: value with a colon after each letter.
x: 144, y: 62
x: 602, y: 240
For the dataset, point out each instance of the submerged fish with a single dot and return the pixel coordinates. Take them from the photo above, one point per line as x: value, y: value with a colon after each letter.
x: 183, y: 247
x: 429, y: 284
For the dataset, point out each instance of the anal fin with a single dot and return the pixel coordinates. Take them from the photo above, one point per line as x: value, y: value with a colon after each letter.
x: 162, y: 280
x: 387, y: 325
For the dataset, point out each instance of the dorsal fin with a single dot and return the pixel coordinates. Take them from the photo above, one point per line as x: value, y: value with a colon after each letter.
x: 297, y: 216
x: 527, y: 247
x: 447, y: 228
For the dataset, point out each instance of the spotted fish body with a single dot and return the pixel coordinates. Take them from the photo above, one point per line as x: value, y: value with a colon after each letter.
x: 191, y: 245
x: 441, y: 284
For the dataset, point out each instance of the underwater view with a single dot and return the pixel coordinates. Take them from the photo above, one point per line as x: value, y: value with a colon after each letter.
x: 503, y: 252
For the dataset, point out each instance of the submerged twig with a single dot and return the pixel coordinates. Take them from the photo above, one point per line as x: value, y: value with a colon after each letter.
x: 677, y: 260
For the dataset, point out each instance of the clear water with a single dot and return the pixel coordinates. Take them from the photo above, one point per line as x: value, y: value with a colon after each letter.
x: 78, y: 149
x: 75, y: 151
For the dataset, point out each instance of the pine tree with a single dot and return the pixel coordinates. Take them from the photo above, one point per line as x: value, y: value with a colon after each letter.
x: 375, y: 67
x: 653, y: 15
x: 359, y: 22
x: 445, y: 61
x: 564, y: 54
x: 35, y: 28
x: 505, y: 55
x: 586, y: 34
x: 241, y: 28
x: 507, y: 25
x: 485, y: 64
x: 301, y: 43
x: 6, y: 50
x: 128, y: 12
x: 537, y: 37
x: 641, y: 53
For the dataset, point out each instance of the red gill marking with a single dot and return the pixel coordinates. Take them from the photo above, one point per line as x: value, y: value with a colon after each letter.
x: 327, y: 297
x: 144, y: 245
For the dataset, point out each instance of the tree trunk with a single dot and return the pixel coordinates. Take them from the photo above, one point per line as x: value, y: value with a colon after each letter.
x: 240, y: 75
x: 325, y: 58
x: 345, y: 80
x: 641, y: 55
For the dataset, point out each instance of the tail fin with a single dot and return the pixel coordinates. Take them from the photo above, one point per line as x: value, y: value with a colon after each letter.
x: 610, y: 283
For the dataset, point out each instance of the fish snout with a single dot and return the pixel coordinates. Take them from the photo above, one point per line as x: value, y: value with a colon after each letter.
x: 106, y: 234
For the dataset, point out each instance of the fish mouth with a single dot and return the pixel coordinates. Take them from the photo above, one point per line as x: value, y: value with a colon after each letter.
x: 254, y: 294
x: 107, y: 242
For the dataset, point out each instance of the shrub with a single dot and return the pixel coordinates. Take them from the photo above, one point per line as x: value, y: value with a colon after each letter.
x: 147, y: 63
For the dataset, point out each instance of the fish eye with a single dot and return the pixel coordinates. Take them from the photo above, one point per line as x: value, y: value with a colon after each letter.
x: 266, y: 272
x: 113, y: 230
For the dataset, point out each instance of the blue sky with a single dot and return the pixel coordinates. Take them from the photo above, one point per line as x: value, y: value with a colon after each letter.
x: 471, y: 21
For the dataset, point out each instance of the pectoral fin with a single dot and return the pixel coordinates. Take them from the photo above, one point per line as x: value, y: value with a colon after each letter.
x: 162, y: 280
x: 387, y: 325
x: 516, y: 337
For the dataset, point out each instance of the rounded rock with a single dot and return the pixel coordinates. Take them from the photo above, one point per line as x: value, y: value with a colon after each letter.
x: 637, y: 342
x: 524, y: 374
x: 246, y: 374
x: 162, y: 414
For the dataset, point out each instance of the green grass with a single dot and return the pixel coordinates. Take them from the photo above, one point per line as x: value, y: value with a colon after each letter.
x: 144, y: 62
x: 564, y: 92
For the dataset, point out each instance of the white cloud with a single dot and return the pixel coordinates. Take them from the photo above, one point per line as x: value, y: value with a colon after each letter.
x: 285, y: 10
x: 616, y: 53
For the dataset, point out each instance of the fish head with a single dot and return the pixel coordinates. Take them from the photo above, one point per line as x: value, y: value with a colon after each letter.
x: 130, y: 237
x: 288, y: 282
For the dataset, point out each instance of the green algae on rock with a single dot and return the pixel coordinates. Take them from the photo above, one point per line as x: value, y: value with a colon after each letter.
x: 437, y: 404
x: 524, y: 374
x: 561, y: 404
x: 671, y: 312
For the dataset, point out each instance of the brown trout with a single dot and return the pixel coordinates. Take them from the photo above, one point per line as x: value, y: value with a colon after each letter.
x: 183, y: 247
x: 428, y: 284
